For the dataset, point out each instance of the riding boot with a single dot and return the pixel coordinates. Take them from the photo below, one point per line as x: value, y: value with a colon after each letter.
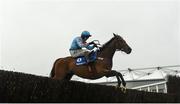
x: 87, y: 58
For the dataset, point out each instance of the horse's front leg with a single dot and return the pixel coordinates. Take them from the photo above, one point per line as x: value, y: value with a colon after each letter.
x: 112, y: 73
x: 122, y: 79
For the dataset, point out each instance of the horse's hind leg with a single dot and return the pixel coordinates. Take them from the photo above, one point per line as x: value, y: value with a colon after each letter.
x: 60, y: 71
x: 58, y: 78
x: 59, y: 75
x: 69, y: 75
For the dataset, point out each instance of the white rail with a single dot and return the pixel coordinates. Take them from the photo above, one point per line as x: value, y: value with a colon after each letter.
x: 151, y: 85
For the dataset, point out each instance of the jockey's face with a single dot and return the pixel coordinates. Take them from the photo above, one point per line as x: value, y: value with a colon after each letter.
x: 85, y: 38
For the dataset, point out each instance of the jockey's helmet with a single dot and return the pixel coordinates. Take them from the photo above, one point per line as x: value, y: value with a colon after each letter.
x: 85, y: 34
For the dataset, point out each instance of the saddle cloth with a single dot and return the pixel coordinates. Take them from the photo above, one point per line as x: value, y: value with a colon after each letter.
x: 81, y: 60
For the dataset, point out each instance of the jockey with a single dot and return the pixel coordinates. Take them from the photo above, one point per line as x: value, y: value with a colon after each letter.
x: 80, y: 47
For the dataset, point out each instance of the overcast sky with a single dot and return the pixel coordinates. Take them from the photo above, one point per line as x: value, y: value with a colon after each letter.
x: 34, y: 33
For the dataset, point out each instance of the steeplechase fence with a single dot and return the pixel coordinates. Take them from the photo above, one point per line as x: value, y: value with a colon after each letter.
x: 20, y: 87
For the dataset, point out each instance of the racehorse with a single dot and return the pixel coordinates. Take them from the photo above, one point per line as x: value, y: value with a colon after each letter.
x: 65, y: 68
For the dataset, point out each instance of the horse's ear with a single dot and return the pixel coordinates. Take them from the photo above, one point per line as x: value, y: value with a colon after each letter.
x: 114, y: 34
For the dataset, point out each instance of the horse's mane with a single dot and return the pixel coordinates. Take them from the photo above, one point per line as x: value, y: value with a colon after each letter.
x: 106, y: 44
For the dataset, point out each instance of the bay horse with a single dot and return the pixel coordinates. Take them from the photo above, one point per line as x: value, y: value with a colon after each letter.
x: 65, y: 68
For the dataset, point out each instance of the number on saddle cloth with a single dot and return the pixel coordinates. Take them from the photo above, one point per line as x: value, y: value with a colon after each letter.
x: 81, y: 60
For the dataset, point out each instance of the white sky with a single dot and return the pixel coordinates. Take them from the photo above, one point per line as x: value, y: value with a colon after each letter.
x: 34, y: 33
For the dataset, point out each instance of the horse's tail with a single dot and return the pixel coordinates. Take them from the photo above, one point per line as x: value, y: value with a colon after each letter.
x: 52, y: 73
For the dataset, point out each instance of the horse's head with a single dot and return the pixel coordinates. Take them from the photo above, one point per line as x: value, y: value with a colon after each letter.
x: 120, y: 44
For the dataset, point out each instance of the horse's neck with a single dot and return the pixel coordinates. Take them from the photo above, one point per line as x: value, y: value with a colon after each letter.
x: 108, y: 51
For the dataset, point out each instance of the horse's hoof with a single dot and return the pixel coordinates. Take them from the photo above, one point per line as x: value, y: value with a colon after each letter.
x: 123, y: 89
x: 117, y: 86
